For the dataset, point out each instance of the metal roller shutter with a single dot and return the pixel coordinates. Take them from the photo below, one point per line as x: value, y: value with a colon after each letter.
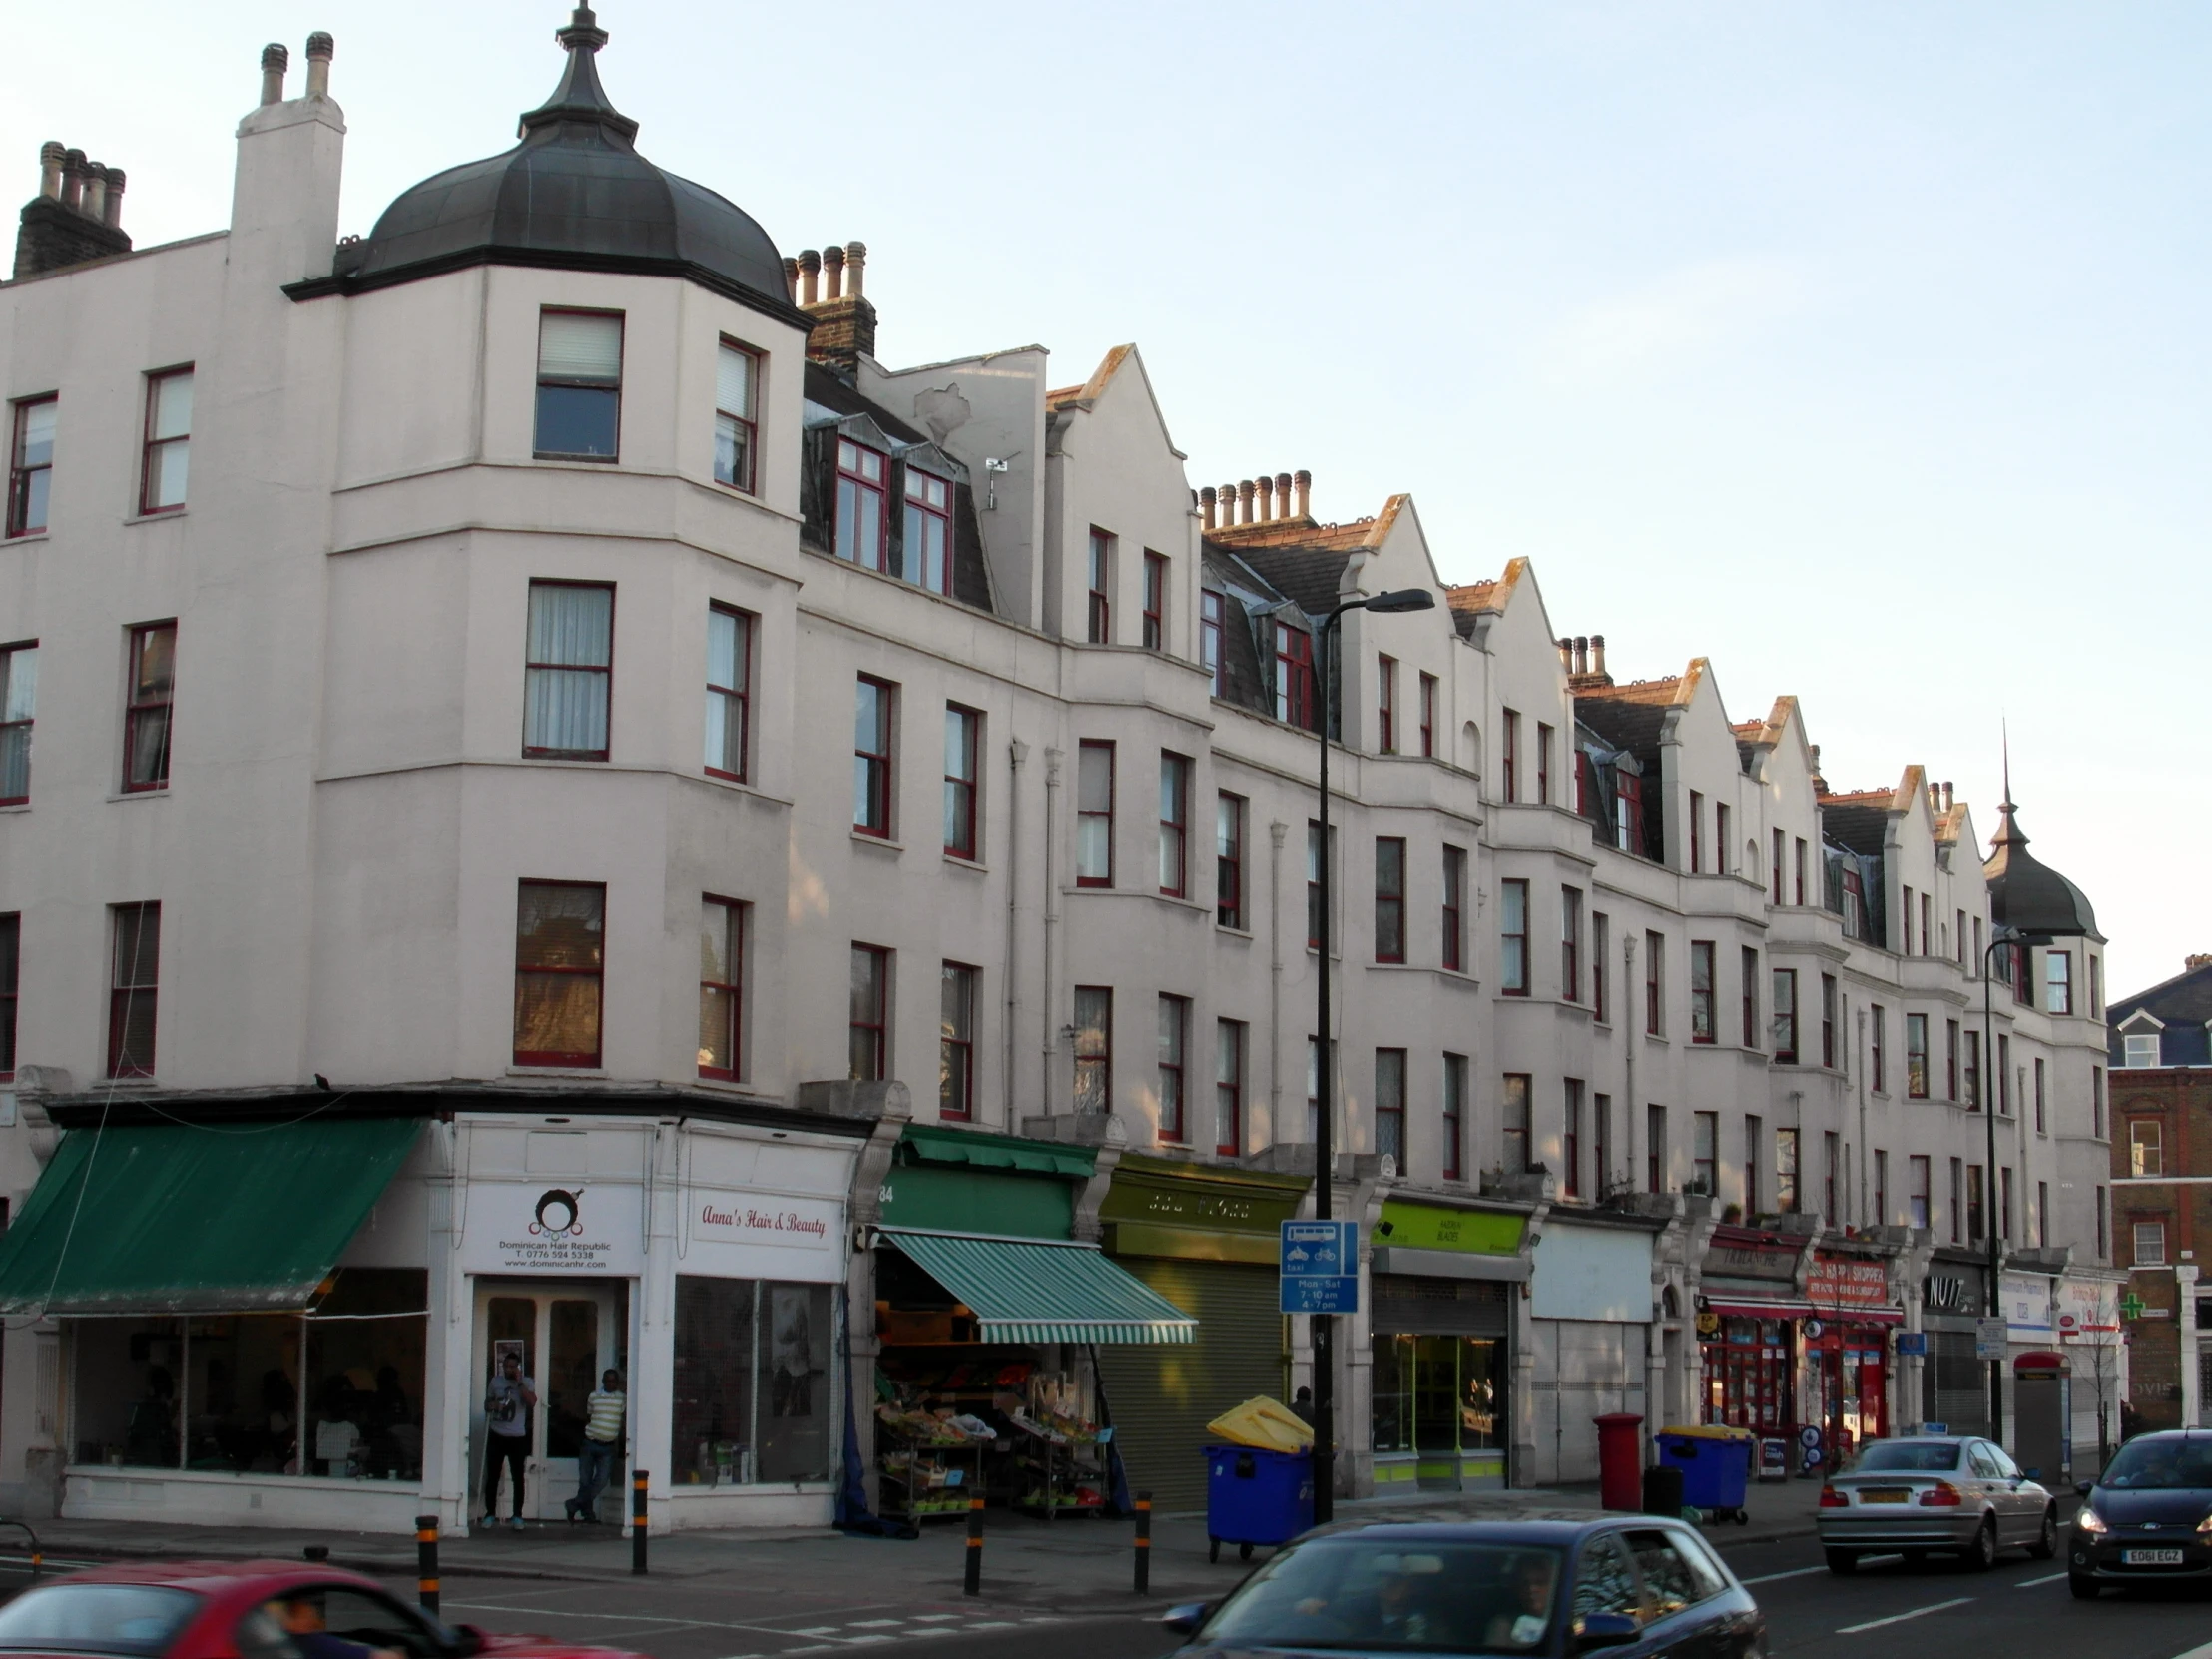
x: 1405, y: 1305
x: 1955, y: 1386
x: 1162, y: 1397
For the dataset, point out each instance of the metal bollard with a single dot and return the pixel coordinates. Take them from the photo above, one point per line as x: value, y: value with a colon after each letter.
x: 1144, y: 1542
x: 638, y: 1479
x: 974, y: 1581
x: 426, y: 1562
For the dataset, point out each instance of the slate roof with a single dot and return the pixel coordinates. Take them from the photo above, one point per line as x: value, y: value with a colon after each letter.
x: 1629, y: 717
x: 2183, y: 1005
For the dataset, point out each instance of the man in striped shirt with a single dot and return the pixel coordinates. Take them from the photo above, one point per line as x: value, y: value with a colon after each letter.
x: 601, y: 1452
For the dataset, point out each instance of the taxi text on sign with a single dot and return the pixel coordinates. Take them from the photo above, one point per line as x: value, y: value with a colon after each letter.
x: 1319, y: 1266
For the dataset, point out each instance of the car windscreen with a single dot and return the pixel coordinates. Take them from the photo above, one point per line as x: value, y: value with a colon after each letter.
x: 1395, y: 1595
x: 1899, y: 1455
x: 96, y: 1618
x: 2160, y: 1465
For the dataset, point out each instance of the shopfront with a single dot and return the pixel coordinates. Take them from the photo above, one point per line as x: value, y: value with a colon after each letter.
x: 1847, y: 1344
x: 1445, y: 1281
x: 1591, y: 1297
x: 1750, y: 1318
x: 1205, y: 1238
x: 2089, y: 1314
x: 990, y: 1315
x: 1955, y: 1386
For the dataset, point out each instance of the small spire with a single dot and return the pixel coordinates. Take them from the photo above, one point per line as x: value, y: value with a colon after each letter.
x: 2009, y: 829
x: 580, y: 99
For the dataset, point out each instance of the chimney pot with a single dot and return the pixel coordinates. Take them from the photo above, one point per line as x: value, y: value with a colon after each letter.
x: 1581, y: 644
x: 790, y: 278
x: 1281, y: 495
x: 1567, y: 654
x: 1206, y: 499
x: 832, y: 269
x: 1244, y: 502
x: 1305, y: 482
x: 50, y: 155
x: 2192, y: 963
x: 855, y: 261
x: 95, y: 202
x: 276, y: 59
x: 1597, y: 653
x: 73, y: 179
x: 1266, y: 486
x: 321, y: 50
x: 810, y: 265
x: 112, y: 214
x: 1947, y: 797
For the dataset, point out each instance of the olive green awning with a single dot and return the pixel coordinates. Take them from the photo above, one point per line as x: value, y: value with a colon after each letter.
x: 185, y: 1218
x: 1026, y: 1291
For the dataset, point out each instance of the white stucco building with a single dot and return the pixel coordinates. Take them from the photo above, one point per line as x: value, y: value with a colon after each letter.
x: 583, y: 770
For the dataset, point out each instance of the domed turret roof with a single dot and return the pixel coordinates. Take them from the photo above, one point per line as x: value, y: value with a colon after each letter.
x: 2026, y: 894
x: 573, y: 195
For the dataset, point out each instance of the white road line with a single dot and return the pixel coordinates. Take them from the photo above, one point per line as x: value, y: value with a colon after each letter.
x: 1770, y: 1578
x: 2204, y: 1652
x: 936, y: 1619
x: 2055, y: 1578
x: 992, y: 1624
x: 1900, y: 1618
x: 877, y: 1624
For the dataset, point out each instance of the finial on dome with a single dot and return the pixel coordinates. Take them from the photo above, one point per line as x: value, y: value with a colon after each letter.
x: 580, y: 99
x: 583, y: 33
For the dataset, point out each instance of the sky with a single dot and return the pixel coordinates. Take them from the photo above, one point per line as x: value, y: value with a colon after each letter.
x: 1860, y: 348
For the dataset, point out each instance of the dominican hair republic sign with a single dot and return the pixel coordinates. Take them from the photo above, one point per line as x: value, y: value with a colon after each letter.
x: 540, y: 1227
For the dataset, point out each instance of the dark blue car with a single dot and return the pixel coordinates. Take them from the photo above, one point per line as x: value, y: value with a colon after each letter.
x: 1636, y: 1585
x: 2150, y: 1516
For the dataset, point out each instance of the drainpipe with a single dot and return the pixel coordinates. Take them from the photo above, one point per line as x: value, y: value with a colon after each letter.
x: 1859, y: 1056
x: 1016, y: 752
x: 1275, y: 833
x: 1628, y: 1051
x: 1052, y: 758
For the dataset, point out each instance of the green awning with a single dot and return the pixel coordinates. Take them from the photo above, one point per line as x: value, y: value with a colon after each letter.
x: 979, y: 1149
x: 183, y: 1218
x: 1024, y: 1291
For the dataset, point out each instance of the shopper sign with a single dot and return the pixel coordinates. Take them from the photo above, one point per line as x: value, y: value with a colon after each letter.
x: 1319, y: 1266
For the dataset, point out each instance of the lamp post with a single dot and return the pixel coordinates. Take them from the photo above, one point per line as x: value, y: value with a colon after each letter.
x: 2006, y: 939
x: 1325, y: 1360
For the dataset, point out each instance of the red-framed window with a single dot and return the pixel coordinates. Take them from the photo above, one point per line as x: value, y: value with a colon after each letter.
x: 1099, y: 572
x: 1175, y: 825
x: 1602, y: 967
x: 864, y: 520
x: 1455, y: 1114
x: 1705, y: 1159
x: 559, y: 972
x: 568, y: 671
x: 1827, y: 1020
x: 1628, y: 803
x: 1429, y: 716
x: 1229, y: 1061
x: 1854, y: 902
x: 1513, y: 937
x: 1175, y: 1030
x: 1570, y: 1136
x: 1514, y: 1126
x: 1570, y: 943
x: 146, y: 716
x: 1798, y: 868
x: 167, y: 459
x: 1228, y: 841
x: 1704, y: 994
x: 1777, y: 867
x: 579, y: 411
x: 1783, y: 1042
x: 11, y: 948
x: 1212, y: 611
x: 963, y: 754
x: 1655, y: 985
x: 1916, y: 1056
x: 134, y: 987
x: 1094, y: 1050
x: 31, y: 463
x: 1950, y: 1059
x: 1878, y: 1048
x: 956, y: 1042
x: 1543, y: 763
x: 1155, y: 601
x: 875, y: 715
x: 1386, y: 705
x: 729, y: 691
x: 928, y: 549
x: 2042, y: 1125
x: 736, y: 402
x: 2058, y: 982
x: 1094, y: 813
x: 1720, y: 838
x: 1313, y: 916
x: 1390, y: 1105
x: 868, y: 1014
x: 1697, y: 832
x: 1751, y: 998
x: 1454, y: 955
x: 1390, y: 898
x: 1972, y: 1073
x: 1655, y: 1145
x: 18, y: 704
x: 2016, y: 965
x: 1296, y: 700
x: 1509, y: 755
x: 721, y: 987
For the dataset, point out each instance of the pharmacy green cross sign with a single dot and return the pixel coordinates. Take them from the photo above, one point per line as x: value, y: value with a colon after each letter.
x: 2131, y: 1306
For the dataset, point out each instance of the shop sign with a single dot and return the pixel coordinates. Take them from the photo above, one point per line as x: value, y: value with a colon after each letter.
x: 1747, y: 1259
x: 2087, y: 1309
x: 1949, y: 1293
x: 2026, y: 1301
x: 1407, y: 1226
x: 535, y: 1228
x: 1847, y: 1282
x: 759, y: 1219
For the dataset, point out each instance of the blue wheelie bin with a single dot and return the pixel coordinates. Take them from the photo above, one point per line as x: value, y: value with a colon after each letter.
x: 1716, y: 1468
x: 1255, y: 1497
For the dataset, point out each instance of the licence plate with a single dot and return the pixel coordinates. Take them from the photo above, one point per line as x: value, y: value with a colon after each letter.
x: 2151, y: 1557
x: 1884, y: 1495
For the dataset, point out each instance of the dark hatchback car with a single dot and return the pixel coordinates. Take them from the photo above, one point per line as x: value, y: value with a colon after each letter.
x: 2148, y: 1518
x: 1638, y: 1586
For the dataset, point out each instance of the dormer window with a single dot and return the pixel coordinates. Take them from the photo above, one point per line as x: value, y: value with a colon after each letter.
x: 1295, y: 698
x: 928, y: 531
x: 579, y: 386
x: 1855, y: 904
x: 861, y: 516
x: 1628, y: 821
x: 2140, y: 1050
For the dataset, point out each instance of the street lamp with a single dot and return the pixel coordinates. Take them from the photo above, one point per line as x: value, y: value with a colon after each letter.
x: 1324, y: 1379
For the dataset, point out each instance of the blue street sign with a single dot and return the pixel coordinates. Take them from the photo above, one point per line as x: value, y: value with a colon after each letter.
x: 1319, y: 1266
x: 1913, y: 1342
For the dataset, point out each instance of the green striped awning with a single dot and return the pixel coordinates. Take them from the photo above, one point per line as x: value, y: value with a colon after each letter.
x: 1027, y: 1290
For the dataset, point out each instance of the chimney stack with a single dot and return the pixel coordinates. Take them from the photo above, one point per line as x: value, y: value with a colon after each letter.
x: 1304, y: 481
x: 76, y: 217
x: 844, y: 323
x: 2189, y: 964
x: 833, y: 274
x: 1206, y: 500
x: 321, y: 50
x: 276, y: 59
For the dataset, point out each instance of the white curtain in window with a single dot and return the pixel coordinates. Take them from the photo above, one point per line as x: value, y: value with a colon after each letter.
x: 574, y: 347
x: 171, y: 406
x: 734, y: 382
x: 571, y: 645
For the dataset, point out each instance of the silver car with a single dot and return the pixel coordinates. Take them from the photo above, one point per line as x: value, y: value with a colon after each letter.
x: 1935, y: 1493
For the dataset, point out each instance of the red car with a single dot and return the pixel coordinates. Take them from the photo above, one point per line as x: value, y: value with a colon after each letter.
x: 245, y: 1610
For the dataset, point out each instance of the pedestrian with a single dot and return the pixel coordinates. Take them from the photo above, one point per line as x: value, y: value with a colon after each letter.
x: 601, y: 1450
x: 508, y: 1402
x: 1301, y: 1405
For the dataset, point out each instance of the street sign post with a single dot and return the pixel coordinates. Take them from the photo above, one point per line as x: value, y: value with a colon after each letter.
x: 1319, y: 1266
x: 1990, y: 1338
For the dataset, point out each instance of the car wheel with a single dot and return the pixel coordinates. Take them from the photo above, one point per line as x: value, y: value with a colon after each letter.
x: 1982, y: 1554
x: 2047, y: 1541
x: 1842, y: 1562
x: 2084, y: 1589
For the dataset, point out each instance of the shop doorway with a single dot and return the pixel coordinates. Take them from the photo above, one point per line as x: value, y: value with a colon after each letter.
x: 567, y: 1333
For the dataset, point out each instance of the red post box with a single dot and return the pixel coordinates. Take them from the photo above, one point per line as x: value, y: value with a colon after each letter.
x: 1620, y: 1461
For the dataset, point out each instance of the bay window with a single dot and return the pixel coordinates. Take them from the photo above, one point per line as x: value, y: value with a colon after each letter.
x: 578, y: 411
x: 568, y: 671
x: 560, y: 933
x: 737, y: 388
